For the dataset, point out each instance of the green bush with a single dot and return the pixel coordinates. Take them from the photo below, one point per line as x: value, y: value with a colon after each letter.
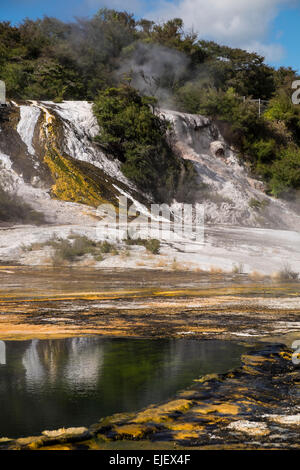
x: 257, y: 205
x: 138, y: 138
x: 70, y: 251
x: 151, y: 245
x: 106, y: 247
x: 64, y: 250
x: 286, y: 171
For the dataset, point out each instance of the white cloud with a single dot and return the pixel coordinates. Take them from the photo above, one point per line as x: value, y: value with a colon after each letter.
x: 272, y: 52
x: 238, y: 23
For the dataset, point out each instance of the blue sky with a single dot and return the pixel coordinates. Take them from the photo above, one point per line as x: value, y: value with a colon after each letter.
x: 288, y: 22
x: 270, y: 27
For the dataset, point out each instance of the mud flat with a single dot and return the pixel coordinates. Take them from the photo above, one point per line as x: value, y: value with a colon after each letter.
x: 60, y: 303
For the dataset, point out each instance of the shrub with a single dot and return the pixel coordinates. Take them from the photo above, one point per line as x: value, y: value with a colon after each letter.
x: 106, y: 247
x: 257, y: 205
x: 286, y: 171
x: 287, y: 274
x: 238, y: 268
x: 65, y: 250
x: 151, y: 245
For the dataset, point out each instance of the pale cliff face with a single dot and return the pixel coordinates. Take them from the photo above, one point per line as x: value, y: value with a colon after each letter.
x: 225, y: 187
x: 37, y: 129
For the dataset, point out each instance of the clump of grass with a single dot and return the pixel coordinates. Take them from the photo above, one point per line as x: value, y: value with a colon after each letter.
x: 33, y: 247
x: 256, y: 276
x: 106, y: 247
x: 14, y: 209
x: 162, y: 263
x: 70, y: 251
x: 36, y: 246
x: 258, y: 205
x: 238, y: 268
x: 64, y: 250
x: 125, y: 254
x: 103, y: 247
x: 175, y: 266
x: 216, y: 270
x: 152, y: 245
x: 287, y: 274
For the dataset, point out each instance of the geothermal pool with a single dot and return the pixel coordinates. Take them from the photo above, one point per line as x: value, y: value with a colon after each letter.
x: 48, y: 384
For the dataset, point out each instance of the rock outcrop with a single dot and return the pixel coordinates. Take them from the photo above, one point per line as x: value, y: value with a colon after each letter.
x: 48, y: 155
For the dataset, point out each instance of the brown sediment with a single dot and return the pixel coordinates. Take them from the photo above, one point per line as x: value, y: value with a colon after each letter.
x: 56, y: 320
x: 74, y: 316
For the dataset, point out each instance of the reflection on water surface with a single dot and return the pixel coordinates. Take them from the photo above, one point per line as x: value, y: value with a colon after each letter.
x: 74, y: 382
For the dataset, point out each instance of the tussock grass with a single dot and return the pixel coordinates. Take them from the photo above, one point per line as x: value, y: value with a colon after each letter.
x: 258, y: 205
x: 151, y: 245
x: 75, y: 247
x: 67, y: 251
x: 216, y: 270
x: 257, y: 276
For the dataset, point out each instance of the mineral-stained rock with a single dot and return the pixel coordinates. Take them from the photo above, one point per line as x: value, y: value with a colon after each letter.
x: 161, y: 413
x: 31, y: 443
x: 133, y: 431
x: 67, y: 434
x: 292, y: 420
x: 251, y: 428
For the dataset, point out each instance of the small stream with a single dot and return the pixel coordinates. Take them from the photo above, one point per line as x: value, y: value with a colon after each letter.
x: 48, y: 384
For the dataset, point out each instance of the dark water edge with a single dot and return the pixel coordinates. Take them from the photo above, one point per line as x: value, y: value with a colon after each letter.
x: 48, y: 384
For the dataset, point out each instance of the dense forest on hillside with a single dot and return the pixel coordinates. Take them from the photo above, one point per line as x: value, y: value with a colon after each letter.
x: 101, y: 58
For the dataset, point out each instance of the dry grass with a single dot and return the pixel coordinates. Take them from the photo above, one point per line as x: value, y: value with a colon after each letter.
x: 34, y: 247
x: 162, y: 263
x: 199, y: 270
x: 125, y: 254
x: 141, y: 263
x: 87, y: 263
x: 257, y: 276
x: 175, y: 266
x: 216, y: 270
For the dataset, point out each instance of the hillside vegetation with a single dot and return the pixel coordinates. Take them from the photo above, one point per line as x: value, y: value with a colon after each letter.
x: 120, y: 62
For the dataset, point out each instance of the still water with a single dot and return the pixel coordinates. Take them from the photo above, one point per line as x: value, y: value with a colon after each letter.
x: 74, y: 382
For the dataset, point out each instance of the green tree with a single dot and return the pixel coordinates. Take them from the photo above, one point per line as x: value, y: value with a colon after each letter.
x: 286, y: 171
x: 131, y: 131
